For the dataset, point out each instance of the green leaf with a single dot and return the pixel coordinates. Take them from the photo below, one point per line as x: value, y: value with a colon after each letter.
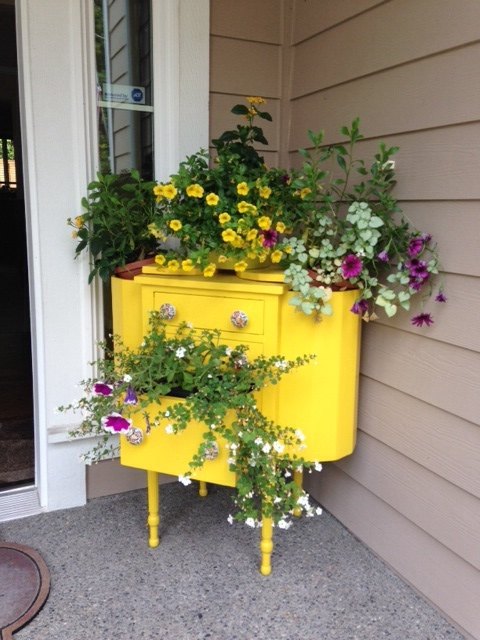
x: 240, y: 110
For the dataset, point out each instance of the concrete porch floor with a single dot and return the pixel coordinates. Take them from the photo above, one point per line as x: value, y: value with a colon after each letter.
x: 203, y: 582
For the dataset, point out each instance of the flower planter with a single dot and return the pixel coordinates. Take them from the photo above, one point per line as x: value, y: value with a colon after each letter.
x: 132, y: 269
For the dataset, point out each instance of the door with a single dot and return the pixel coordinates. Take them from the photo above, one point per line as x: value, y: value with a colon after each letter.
x: 16, y: 395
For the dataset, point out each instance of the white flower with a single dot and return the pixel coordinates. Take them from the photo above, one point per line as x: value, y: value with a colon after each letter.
x: 180, y: 352
x: 303, y: 501
x: 276, y: 500
x: 317, y: 466
x: 284, y: 524
x: 228, y: 351
x: 281, y: 364
x: 258, y: 441
x: 213, y: 426
x: 249, y: 494
x: 250, y: 522
x: 127, y: 378
x: 278, y: 446
x: 167, y: 414
x: 299, y: 434
x: 233, y: 446
x: 230, y: 519
x: 184, y: 480
x: 266, y: 448
x: 169, y: 428
x: 189, y: 325
x: 287, y: 474
x: 319, y: 511
x: 299, y: 469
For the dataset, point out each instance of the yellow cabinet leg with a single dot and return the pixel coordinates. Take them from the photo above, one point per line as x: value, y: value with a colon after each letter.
x: 298, y: 479
x: 266, y: 546
x: 202, y: 489
x: 153, y: 517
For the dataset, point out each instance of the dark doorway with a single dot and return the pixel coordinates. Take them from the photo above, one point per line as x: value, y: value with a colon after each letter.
x: 16, y: 394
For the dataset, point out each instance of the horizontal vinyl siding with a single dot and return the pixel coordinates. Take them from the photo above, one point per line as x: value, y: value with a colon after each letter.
x: 247, y: 59
x: 409, y: 69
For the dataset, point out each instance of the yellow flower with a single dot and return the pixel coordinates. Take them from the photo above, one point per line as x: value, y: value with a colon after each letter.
x: 238, y: 242
x: 265, y: 223
x: 160, y: 260
x: 229, y: 235
x: 246, y: 207
x: 240, y: 266
x: 209, y: 270
x: 252, y: 234
x: 256, y: 100
x: 224, y: 217
x: 288, y: 249
x: 276, y: 255
x: 173, y: 265
x: 195, y: 191
x: 305, y: 192
x: 158, y: 191
x: 280, y: 227
x: 175, y: 225
x: 222, y: 259
x: 212, y: 199
x: 169, y: 191
x: 187, y: 265
x: 78, y: 221
x: 265, y: 192
x: 242, y: 188
x: 155, y: 232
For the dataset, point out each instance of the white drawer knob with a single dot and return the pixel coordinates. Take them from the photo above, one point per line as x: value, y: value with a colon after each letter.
x: 167, y: 311
x: 239, y: 319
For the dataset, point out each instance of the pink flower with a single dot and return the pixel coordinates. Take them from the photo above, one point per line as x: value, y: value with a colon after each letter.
x: 115, y: 423
x: 102, y: 389
x: 351, y: 266
x: 415, y: 246
x: 270, y: 238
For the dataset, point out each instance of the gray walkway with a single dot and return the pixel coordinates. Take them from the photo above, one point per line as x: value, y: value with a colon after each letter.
x: 203, y: 580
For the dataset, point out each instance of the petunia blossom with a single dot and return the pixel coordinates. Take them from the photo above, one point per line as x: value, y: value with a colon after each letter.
x: 270, y: 238
x: 422, y: 319
x: 115, y: 423
x: 360, y: 307
x: 130, y: 396
x: 351, y: 266
x: 383, y: 256
x: 102, y: 389
x: 415, y: 246
x: 440, y: 297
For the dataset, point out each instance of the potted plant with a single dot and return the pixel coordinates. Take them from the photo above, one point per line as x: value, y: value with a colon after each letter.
x: 354, y: 235
x: 114, y: 224
x: 136, y: 391
x: 227, y: 209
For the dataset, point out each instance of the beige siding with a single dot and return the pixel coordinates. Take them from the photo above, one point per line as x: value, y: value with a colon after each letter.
x: 411, y: 490
x: 409, y: 69
x: 247, y: 59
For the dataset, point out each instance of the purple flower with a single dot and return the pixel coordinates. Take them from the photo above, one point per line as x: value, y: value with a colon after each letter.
x: 351, y: 266
x: 440, y: 297
x: 360, y: 307
x: 115, y: 423
x: 270, y: 238
x: 415, y: 246
x: 422, y: 319
x: 383, y: 256
x: 418, y: 273
x: 130, y: 396
x: 102, y: 389
x: 426, y: 237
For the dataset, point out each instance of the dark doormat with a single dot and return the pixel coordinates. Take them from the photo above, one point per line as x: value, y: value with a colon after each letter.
x: 24, y: 586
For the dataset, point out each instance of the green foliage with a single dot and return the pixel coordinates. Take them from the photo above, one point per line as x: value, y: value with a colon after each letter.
x: 114, y: 224
x: 216, y: 380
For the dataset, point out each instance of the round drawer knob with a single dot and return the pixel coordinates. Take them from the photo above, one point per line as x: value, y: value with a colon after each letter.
x: 211, y: 452
x: 239, y: 319
x: 167, y: 311
x: 134, y: 436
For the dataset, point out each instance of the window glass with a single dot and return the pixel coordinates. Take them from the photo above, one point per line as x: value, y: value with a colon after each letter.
x: 123, y: 37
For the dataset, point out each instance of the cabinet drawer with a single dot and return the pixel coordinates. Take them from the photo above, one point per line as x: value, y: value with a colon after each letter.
x: 210, y: 311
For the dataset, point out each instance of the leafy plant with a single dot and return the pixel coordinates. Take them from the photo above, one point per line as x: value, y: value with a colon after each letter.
x: 216, y: 379
x: 114, y: 224
x: 353, y: 234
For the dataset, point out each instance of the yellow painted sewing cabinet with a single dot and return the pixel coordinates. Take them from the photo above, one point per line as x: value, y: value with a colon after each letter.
x: 320, y: 398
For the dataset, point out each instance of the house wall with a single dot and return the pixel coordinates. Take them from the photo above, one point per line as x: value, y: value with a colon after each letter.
x: 409, y: 69
x: 411, y: 490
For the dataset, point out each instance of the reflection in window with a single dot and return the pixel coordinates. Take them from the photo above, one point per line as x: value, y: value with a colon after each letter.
x: 124, y: 85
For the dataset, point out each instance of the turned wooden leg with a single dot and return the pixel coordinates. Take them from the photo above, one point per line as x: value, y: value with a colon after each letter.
x: 266, y: 546
x: 298, y: 479
x: 202, y: 489
x: 153, y: 516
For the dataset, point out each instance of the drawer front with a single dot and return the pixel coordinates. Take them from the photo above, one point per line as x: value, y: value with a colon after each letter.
x: 210, y: 311
x: 171, y: 453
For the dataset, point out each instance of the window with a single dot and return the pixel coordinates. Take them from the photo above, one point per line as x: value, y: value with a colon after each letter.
x: 8, y: 169
x: 123, y: 47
